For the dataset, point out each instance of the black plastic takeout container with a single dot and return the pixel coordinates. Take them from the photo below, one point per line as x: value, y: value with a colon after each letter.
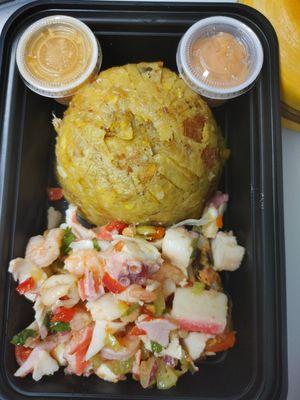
x: 130, y: 32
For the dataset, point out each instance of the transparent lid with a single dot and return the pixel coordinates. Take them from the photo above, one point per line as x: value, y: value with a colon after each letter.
x: 220, y: 55
x: 57, y: 54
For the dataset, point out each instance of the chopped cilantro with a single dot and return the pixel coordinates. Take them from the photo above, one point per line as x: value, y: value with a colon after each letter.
x: 59, y: 326
x: 68, y: 238
x: 96, y: 244
x: 20, y: 338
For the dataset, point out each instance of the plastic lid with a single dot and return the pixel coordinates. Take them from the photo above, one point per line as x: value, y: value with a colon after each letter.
x: 56, y: 54
x: 219, y: 57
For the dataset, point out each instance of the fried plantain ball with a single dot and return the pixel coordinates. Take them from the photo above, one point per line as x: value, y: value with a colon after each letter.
x: 138, y: 145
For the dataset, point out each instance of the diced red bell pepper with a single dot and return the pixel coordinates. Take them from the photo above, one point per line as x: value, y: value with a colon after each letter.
x: 26, y: 286
x: 112, y: 284
x: 135, y: 331
x: 55, y: 193
x: 63, y: 314
x: 22, y: 353
x: 116, y: 226
x: 105, y: 232
x: 221, y: 342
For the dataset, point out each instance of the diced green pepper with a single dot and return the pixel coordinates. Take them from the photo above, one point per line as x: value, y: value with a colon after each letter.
x: 112, y: 342
x: 156, y: 347
x: 96, y: 361
x: 159, y: 304
x: 145, y: 230
x: 165, y: 377
x: 198, y: 287
x: 186, y: 364
x: 147, y: 377
x: 120, y: 367
x: 20, y: 338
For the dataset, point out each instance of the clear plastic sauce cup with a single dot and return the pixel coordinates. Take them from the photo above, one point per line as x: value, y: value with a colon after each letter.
x: 219, y: 57
x: 57, y: 55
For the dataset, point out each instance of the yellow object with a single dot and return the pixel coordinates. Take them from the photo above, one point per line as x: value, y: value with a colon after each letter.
x: 285, y: 17
x: 138, y: 145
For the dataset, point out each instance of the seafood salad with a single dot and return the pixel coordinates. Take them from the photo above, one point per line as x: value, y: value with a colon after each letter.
x: 125, y: 299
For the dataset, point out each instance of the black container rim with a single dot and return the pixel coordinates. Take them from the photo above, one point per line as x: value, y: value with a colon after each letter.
x: 41, y: 5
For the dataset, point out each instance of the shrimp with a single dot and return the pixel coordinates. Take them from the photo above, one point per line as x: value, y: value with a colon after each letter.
x: 84, y: 260
x: 168, y: 271
x: 135, y: 293
x: 44, y: 250
x: 56, y: 287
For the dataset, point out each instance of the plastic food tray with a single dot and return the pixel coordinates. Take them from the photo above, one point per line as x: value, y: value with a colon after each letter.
x: 130, y: 32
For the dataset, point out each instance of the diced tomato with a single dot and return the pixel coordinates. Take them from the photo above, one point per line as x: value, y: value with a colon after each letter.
x: 63, y: 314
x: 80, y: 364
x: 135, y: 331
x: 116, y: 226
x: 112, y: 284
x: 55, y: 193
x: 221, y: 342
x: 26, y: 286
x: 22, y: 353
x: 220, y: 222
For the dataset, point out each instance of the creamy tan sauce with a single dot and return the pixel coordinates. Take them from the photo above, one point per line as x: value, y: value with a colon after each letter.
x: 221, y: 60
x: 58, y: 54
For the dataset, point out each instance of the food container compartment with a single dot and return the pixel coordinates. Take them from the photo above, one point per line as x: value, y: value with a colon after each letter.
x: 130, y: 32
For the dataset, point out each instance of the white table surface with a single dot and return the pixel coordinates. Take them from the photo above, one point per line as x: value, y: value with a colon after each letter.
x: 291, y: 183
